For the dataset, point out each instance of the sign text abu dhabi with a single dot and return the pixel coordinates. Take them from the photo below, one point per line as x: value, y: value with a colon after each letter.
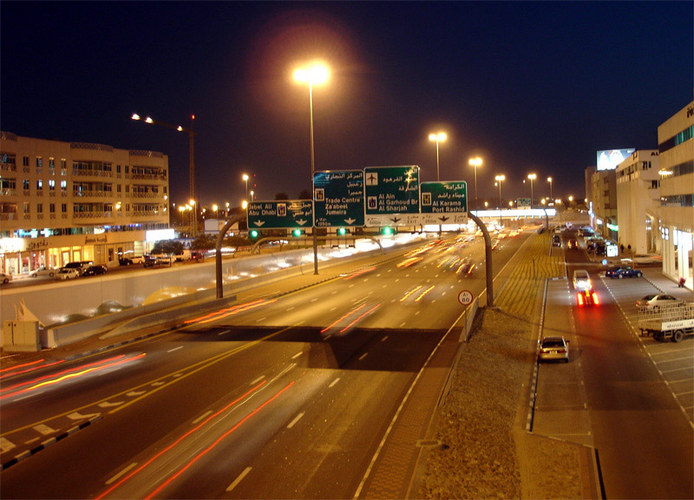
x: 283, y: 214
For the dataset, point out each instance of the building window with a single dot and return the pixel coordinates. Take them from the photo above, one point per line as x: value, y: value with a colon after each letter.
x: 127, y: 188
x: 39, y: 208
x: 27, y: 207
x: 63, y: 208
x: 25, y: 161
x: 51, y: 208
x: 39, y: 162
x: 51, y: 162
x: 63, y: 185
x: 127, y: 169
x: 118, y: 169
x: 39, y: 185
x: 51, y: 184
x: 118, y: 188
x: 25, y: 184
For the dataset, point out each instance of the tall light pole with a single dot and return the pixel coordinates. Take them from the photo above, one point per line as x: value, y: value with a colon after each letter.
x: 245, y: 179
x: 315, y: 74
x: 438, y: 137
x: 474, y: 163
x: 549, y: 179
x: 191, y: 158
x: 499, y: 179
x: 532, y: 177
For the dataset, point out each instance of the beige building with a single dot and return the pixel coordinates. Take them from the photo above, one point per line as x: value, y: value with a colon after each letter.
x: 602, y: 199
x: 638, y: 200
x: 68, y: 201
x: 676, y: 148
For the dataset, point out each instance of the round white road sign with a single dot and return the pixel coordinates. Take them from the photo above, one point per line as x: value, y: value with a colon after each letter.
x: 465, y: 297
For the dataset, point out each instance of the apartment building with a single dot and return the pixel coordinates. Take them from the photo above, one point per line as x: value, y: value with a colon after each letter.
x: 676, y: 212
x: 638, y: 200
x: 67, y: 201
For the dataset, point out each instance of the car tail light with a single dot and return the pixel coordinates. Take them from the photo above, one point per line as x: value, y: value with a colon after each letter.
x: 562, y: 351
x: 596, y: 300
x: 580, y: 299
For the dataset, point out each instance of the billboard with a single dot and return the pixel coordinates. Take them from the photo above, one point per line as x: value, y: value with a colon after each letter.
x: 610, y: 158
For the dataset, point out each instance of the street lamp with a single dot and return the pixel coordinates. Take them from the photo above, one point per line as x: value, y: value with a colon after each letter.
x: 191, y: 155
x: 549, y: 179
x: 438, y: 137
x: 532, y: 177
x: 245, y: 179
x: 315, y: 74
x: 499, y: 179
x: 474, y: 163
x: 252, y: 195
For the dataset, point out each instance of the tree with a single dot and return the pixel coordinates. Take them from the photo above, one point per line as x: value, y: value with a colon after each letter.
x: 168, y: 247
x: 204, y: 242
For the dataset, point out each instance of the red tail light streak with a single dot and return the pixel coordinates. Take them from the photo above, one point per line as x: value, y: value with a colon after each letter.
x: 27, y: 368
x: 229, y: 311
x: 72, y: 373
x: 359, y: 273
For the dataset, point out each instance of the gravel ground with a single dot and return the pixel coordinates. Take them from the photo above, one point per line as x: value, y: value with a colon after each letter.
x: 486, y: 452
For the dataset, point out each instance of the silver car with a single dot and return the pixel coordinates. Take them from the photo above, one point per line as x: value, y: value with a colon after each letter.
x: 655, y: 302
x: 5, y: 278
x: 554, y: 348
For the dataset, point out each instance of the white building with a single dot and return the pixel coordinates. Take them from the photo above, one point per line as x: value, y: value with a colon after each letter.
x: 638, y: 200
x: 676, y: 148
x: 68, y: 201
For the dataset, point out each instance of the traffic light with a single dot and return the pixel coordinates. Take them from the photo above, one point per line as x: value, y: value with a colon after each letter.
x: 341, y: 231
x: 296, y: 233
x: 253, y: 233
x: 387, y: 231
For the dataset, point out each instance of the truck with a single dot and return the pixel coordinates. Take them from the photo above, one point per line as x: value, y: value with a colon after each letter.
x: 672, y: 324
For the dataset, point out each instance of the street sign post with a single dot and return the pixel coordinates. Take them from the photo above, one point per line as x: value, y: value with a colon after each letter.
x: 338, y: 197
x: 444, y: 202
x: 282, y: 214
x: 392, y: 196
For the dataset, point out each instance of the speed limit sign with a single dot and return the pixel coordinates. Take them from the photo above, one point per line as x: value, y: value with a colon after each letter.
x: 465, y: 297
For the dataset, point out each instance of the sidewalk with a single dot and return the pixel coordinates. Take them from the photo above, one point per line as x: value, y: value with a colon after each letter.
x: 666, y: 285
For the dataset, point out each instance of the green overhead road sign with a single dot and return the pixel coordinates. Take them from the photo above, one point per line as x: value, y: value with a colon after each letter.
x: 444, y: 202
x: 391, y: 195
x: 338, y: 196
x: 284, y: 214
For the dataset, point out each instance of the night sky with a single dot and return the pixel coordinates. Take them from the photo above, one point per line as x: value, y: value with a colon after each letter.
x: 529, y: 86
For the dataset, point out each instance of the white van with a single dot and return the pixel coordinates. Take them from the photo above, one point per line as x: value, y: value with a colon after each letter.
x: 582, y: 280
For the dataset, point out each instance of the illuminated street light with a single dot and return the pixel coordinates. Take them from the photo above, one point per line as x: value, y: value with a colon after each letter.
x: 244, y: 204
x: 549, y: 179
x: 499, y: 179
x: 314, y: 74
x: 252, y: 195
x: 244, y: 177
x: 439, y: 137
x: 532, y: 178
x: 474, y: 163
x: 191, y: 156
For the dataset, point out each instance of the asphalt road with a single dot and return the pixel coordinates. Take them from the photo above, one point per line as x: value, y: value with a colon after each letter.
x: 283, y: 397
x: 611, y: 395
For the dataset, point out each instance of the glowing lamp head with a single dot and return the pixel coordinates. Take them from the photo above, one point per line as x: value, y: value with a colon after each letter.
x: 315, y: 74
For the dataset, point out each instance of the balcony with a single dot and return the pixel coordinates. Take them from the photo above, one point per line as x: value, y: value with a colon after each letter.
x: 8, y: 167
x: 145, y: 195
x: 91, y: 173
x: 9, y: 216
x: 92, y: 215
x: 8, y: 192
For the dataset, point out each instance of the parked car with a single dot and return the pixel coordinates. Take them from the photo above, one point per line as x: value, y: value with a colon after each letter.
x: 95, y: 270
x: 623, y: 272
x: 655, y: 302
x: 554, y: 348
x: 153, y: 261
x: 80, y: 266
x: 67, y: 273
x: 5, y: 278
x: 43, y: 271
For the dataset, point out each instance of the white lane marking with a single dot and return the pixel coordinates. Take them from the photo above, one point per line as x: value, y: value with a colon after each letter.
x: 403, y: 324
x: 257, y: 381
x: 417, y: 313
x: 6, y: 445
x: 202, y: 417
x: 313, y: 299
x: 384, y: 338
x: 350, y: 286
x: 260, y: 319
x: 331, y: 310
x: 384, y: 286
x: 121, y: 473
x: 296, y: 419
x: 44, y: 429
x: 176, y: 375
x: 78, y: 416
x: 290, y: 309
x: 239, y: 478
x: 155, y: 384
x: 332, y: 384
x: 106, y: 404
x: 297, y: 354
x: 175, y: 348
x: 363, y: 356
x: 132, y: 394
x: 224, y: 332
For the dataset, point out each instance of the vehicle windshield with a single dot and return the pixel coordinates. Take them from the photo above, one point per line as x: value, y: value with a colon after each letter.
x: 552, y: 343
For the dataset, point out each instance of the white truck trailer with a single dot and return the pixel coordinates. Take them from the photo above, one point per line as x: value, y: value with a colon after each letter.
x: 671, y: 324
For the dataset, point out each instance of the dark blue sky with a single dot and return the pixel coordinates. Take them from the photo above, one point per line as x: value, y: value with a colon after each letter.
x: 529, y: 86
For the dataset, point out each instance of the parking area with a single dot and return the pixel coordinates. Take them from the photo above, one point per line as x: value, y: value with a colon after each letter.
x: 674, y: 361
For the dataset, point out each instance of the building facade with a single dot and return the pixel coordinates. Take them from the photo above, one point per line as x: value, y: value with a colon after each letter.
x: 68, y: 201
x: 676, y: 156
x: 638, y: 200
x: 602, y: 199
